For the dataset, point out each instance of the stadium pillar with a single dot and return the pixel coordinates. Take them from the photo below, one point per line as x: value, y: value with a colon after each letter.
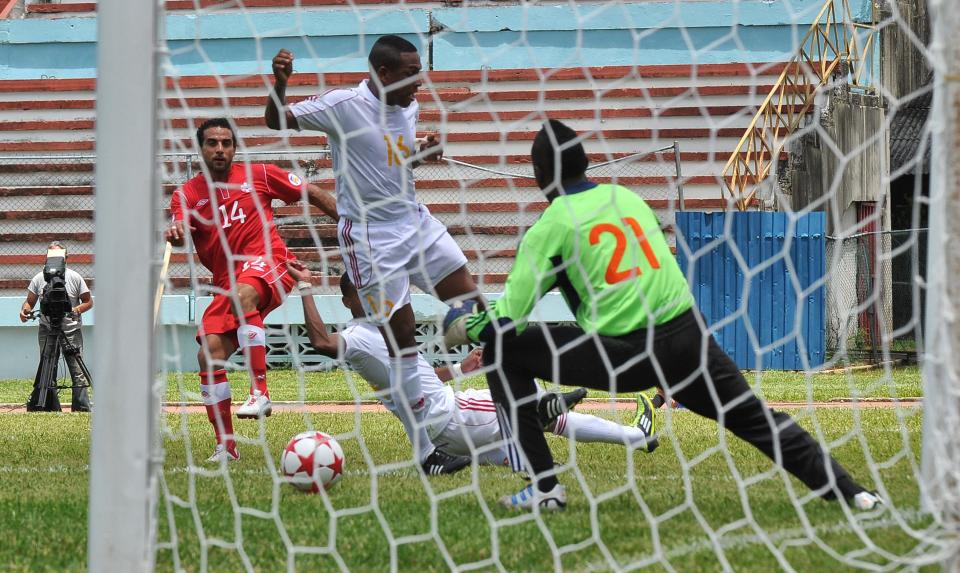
x: 940, y: 489
x: 121, y: 471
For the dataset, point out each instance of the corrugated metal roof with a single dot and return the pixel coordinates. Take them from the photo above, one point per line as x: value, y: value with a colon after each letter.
x: 906, y: 133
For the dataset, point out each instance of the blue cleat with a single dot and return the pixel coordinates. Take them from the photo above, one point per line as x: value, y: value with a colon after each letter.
x: 530, y: 497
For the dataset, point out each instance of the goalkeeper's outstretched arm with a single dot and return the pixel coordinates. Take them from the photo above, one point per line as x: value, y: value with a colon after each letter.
x: 324, y: 342
x: 277, y: 98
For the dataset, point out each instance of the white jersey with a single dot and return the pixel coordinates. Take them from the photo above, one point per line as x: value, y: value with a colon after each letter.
x: 366, y: 352
x: 370, y: 142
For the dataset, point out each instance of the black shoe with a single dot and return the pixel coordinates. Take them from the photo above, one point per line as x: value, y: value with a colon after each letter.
x: 441, y: 463
x: 646, y: 421
x: 552, y: 405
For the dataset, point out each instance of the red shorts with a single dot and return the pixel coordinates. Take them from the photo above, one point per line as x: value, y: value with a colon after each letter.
x: 272, y: 286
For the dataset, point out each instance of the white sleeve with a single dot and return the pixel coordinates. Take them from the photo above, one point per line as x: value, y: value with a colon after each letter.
x: 351, y: 349
x: 80, y: 284
x: 316, y: 113
x: 346, y: 345
x: 359, y: 357
x: 36, y: 284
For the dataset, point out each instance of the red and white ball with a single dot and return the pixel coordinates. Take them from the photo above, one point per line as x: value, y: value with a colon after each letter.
x: 312, y: 460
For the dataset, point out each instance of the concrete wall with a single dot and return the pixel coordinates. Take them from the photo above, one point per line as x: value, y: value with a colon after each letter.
x: 904, y: 65
x: 841, y: 159
x: 500, y: 37
x: 843, y: 162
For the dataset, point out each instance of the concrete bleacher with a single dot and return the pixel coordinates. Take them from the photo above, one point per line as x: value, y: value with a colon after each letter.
x: 86, y: 7
x: 487, y: 118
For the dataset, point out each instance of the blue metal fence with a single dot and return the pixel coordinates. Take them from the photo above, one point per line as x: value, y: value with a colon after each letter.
x: 757, y: 280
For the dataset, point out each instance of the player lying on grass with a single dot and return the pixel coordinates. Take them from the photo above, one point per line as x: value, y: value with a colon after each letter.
x: 387, y: 238
x: 637, y: 326
x: 226, y: 209
x: 455, y: 420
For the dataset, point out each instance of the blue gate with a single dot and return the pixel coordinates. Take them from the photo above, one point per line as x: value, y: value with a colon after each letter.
x: 774, y: 290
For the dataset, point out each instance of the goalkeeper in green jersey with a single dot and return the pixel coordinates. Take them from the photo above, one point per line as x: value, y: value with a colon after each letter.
x: 602, y: 246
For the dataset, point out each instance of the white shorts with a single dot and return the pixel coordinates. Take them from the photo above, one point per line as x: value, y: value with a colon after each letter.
x: 383, y: 259
x: 474, y: 422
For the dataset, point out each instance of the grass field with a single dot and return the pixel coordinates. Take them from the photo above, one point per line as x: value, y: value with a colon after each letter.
x: 680, y: 508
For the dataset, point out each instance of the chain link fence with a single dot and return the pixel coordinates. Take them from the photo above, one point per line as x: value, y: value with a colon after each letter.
x: 486, y: 207
x: 875, y: 294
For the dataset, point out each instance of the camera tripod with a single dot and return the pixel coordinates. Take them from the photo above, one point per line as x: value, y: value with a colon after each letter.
x: 44, y: 397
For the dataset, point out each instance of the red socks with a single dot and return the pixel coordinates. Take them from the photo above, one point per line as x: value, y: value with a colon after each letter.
x: 216, y: 400
x: 253, y: 343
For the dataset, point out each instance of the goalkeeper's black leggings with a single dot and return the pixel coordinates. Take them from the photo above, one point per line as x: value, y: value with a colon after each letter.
x: 682, y: 358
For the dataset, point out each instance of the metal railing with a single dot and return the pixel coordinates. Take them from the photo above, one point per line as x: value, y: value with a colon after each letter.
x: 835, y: 45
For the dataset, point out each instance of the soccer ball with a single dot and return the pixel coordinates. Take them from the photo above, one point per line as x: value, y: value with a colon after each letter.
x: 312, y: 460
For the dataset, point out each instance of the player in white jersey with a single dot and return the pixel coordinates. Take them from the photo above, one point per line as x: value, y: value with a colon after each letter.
x: 387, y: 239
x: 464, y: 423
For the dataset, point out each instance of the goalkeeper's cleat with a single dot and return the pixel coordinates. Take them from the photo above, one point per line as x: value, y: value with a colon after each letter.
x: 530, y: 497
x: 866, y: 500
x: 646, y: 421
x: 441, y: 463
x: 222, y: 453
x: 552, y: 405
x: 257, y: 405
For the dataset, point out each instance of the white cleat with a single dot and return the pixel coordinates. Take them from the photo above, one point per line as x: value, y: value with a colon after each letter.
x: 865, y: 501
x: 222, y: 453
x: 528, y: 497
x: 256, y: 406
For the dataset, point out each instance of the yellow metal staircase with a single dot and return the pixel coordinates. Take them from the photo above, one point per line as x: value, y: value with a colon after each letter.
x: 836, y: 47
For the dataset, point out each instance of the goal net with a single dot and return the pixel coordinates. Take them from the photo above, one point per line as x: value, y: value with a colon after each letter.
x: 787, y: 152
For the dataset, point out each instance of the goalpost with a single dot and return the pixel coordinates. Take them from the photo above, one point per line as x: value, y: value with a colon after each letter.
x: 941, y: 452
x: 127, y: 480
x: 123, y: 453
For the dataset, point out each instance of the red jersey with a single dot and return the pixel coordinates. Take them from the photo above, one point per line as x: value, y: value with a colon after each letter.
x: 233, y: 222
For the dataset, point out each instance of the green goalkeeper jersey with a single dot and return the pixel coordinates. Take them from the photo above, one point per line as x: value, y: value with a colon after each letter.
x: 602, y: 246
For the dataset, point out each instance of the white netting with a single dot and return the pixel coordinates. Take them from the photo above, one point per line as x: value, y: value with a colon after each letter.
x: 664, y: 92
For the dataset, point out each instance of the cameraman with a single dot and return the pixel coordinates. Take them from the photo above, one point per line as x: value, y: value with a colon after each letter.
x: 80, y: 302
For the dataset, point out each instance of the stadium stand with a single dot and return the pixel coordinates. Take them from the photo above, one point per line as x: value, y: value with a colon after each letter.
x: 488, y: 118
x: 82, y: 7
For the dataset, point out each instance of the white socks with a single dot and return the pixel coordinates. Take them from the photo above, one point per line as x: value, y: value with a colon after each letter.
x: 587, y: 428
x: 405, y: 386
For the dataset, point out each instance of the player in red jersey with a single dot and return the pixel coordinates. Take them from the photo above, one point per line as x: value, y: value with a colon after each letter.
x: 231, y: 224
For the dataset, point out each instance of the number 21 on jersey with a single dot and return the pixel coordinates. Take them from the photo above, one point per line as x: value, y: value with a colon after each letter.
x: 614, y: 275
x: 236, y: 215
